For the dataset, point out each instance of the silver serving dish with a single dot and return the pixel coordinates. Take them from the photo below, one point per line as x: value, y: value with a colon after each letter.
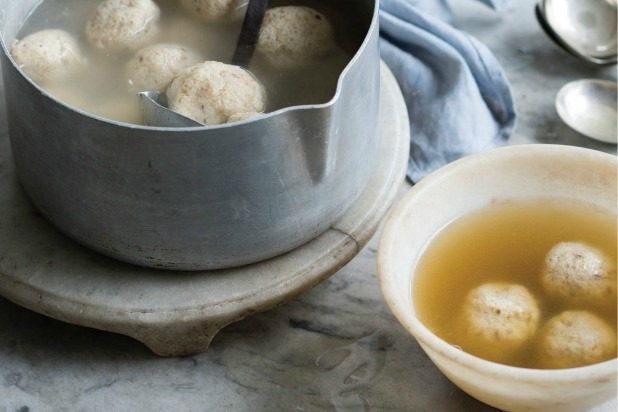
x: 196, y: 198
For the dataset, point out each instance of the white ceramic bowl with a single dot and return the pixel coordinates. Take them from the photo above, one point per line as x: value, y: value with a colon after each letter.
x: 511, y: 173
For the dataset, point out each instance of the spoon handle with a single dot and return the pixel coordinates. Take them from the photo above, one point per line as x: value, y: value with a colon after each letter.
x: 249, y: 32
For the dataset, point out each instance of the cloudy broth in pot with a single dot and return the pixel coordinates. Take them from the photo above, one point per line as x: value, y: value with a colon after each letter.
x: 102, y: 87
x: 511, y: 244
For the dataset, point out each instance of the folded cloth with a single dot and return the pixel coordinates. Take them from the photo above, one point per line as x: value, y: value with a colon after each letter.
x: 459, y: 100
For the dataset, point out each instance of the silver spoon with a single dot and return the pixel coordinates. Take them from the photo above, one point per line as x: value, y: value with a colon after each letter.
x: 589, y: 107
x: 154, y: 105
x: 585, y: 29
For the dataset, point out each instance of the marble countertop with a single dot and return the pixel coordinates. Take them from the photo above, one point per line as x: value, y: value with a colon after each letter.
x: 335, y: 348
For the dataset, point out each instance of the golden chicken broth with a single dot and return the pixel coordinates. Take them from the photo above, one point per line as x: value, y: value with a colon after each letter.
x: 101, y: 88
x: 507, y: 243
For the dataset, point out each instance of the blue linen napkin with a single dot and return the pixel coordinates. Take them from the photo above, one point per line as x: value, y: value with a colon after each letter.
x: 458, y: 98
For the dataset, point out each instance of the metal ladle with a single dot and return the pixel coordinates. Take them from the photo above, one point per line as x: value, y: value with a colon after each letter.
x: 154, y: 104
x: 585, y: 29
x: 590, y: 107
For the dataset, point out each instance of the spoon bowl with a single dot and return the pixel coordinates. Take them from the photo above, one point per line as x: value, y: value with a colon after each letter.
x: 585, y: 29
x: 589, y: 107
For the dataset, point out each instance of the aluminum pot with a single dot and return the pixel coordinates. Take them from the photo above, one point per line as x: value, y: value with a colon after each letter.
x: 196, y: 198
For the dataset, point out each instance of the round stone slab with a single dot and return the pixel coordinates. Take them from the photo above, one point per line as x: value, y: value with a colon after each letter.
x: 178, y: 313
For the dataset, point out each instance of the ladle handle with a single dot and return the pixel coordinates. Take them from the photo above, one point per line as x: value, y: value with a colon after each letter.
x: 250, y: 32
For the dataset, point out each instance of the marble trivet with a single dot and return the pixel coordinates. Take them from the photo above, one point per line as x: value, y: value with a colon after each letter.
x: 179, y: 313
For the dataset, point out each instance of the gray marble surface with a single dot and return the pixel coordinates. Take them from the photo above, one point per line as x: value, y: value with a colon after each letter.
x: 335, y: 348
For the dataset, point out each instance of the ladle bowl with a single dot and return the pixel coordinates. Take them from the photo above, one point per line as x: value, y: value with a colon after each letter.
x: 154, y: 105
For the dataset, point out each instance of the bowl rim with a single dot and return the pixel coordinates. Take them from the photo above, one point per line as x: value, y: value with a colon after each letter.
x: 425, y: 336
